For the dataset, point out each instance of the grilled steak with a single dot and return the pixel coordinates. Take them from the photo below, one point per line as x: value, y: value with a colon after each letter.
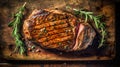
x: 55, y: 29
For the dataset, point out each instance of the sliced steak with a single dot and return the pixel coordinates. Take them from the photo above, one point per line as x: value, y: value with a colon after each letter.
x: 55, y: 29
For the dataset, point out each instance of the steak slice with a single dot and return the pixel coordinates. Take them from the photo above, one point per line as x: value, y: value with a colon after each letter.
x: 55, y: 29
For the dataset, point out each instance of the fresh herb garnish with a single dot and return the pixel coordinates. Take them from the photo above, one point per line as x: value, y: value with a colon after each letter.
x: 40, y: 35
x: 66, y: 47
x: 33, y: 47
x: 66, y: 31
x: 61, y: 22
x: 97, y: 20
x: 45, y: 30
x: 16, y: 25
x: 59, y: 43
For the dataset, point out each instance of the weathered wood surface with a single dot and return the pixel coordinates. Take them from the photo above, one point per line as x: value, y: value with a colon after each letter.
x: 60, y: 65
x: 9, y: 7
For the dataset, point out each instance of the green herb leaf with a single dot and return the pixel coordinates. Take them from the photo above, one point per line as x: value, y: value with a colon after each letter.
x: 86, y: 18
x: 11, y: 23
x: 96, y: 23
x: 16, y: 25
x: 33, y: 47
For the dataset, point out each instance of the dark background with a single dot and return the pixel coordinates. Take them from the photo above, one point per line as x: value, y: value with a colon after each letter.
x: 117, y: 4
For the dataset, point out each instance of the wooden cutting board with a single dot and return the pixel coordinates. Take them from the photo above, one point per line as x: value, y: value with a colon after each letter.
x: 8, y: 8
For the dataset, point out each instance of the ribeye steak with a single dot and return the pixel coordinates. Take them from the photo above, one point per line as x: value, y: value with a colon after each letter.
x: 55, y: 29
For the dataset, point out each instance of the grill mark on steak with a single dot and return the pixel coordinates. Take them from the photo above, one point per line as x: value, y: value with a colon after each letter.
x: 62, y: 45
x: 48, y: 24
x: 57, y: 31
x: 53, y: 36
x: 49, y: 28
x: 54, y: 17
x: 59, y: 39
x: 48, y: 16
x: 40, y: 13
x: 56, y: 40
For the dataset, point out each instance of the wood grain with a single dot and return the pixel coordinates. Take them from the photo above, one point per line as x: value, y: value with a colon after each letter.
x: 97, y: 6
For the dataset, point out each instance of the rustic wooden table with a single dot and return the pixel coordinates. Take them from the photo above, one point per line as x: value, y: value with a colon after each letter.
x: 105, y: 6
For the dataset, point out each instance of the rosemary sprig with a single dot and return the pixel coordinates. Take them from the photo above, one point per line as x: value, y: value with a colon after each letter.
x: 16, y: 25
x: 99, y: 25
